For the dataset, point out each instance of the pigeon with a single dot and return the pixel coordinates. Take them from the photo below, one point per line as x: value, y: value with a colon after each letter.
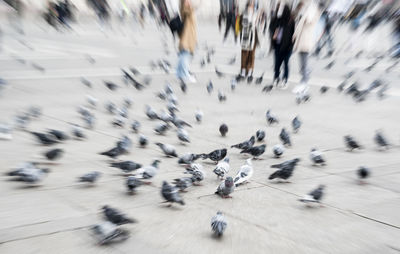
x: 260, y: 135
x: 134, y: 71
x: 54, y: 154
x: 244, y: 174
x: 150, y: 171
x: 110, y: 85
x: 111, y: 108
x: 108, y: 232
x: 5, y: 132
x: 22, y: 168
x: 245, y: 144
x: 188, y: 158
x: 115, y: 216
x: 165, y: 117
x: 132, y: 183
x: 259, y: 80
x: 351, y: 143
x: 91, y: 177
x: 222, y: 168
x: 123, y: 112
x: 221, y: 96
x: 143, y: 141
x: 78, y: 133
x: 349, y: 74
x: 170, y: 194
x: 381, y: 92
x: 223, y: 129
x: 183, y: 86
x: 218, y: 224
x: 171, y: 106
x: 215, y: 155
x: 119, y: 121
x: 323, y: 89
x: 113, y: 152
x: 278, y: 150
x: 196, y: 170
x: 199, y: 116
x: 316, y: 157
x: 183, y: 135
x: 380, y: 140
x: 210, y: 87
x: 296, y: 124
x: 353, y: 89
x: 86, y: 82
x: 202, y: 63
x: 363, y: 173
x: 151, y: 113
x: 314, y: 196
x: 179, y: 123
x: 91, y: 101
x: 135, y: 126
x: 232, y: 60
x: 267, y: 88
x: 168, y: 150
x: 34, y: 112
x: 341, y: 86
x: 127, y: 103
x: 285, y: 169
x: 285, y: 138
x: 126, y: 166
x: 161, y: 128
x: 219, y: 74
x: 255, y: 151
x: 183, y: 183
x: 330, y: 65
x: 89, y: 120
x: 271, y: 119
x: 226, y: 187
x: 38, y: 67
x: 125, y: 144
x: 32, y: 175
x: 233, y: 84
x: 45, y: 138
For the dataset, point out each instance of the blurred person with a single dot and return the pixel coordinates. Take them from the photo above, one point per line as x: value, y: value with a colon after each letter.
x: 64, y: 13
x: 222, y: 14
x: 102, y: 10
x: 282, y: 41
x: 326, y: 37
x: 249, y: 41
x: 396, y: 35
x: 15, y: 16
x: 230, y: 10
x: 187, y: 41
x: 142, y: 12
x: 304, y: 38
x: 273, y: 24
x: 51, y: 14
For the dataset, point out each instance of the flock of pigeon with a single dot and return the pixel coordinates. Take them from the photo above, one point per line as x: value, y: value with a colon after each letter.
x: 168, y: 120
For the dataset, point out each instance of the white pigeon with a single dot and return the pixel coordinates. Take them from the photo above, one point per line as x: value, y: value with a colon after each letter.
x: 199, y: 115
x: 245, y: 173
x: 222, y: 168
x: 5, y: 132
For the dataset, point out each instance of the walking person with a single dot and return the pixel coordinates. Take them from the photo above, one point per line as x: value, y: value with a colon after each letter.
x: 187, y: 42
x: 230, y: 11
x: 249, y: 41
x: 282, y: 43
x: 326, y: 36
x: 304, y: 39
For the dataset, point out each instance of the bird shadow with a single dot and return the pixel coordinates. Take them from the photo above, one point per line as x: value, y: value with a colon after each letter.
x: 163, y: 205
x: 30, y: 186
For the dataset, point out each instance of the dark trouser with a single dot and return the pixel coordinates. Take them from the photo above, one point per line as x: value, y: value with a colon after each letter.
x: 230, y: 23
x: 221, y: 17
x: 282, y: 57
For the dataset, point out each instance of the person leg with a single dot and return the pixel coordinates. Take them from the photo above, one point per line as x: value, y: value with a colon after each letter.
x: 250, y: 64
x: 277, y: 65
x: 303, y: 67
x: 228, y: 25
x: 286, y: 59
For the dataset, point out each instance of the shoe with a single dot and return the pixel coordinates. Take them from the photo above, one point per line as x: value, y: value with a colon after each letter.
x: 275, y: 83
x: 250, y: 79
x: 239, y: 78
x: 284, y: 85
x: 191, y: 79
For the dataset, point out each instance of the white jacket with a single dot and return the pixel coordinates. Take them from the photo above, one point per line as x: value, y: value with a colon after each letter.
x: 305, y: 29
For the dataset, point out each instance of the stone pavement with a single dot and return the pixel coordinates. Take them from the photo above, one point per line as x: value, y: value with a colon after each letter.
x: 263, y: 216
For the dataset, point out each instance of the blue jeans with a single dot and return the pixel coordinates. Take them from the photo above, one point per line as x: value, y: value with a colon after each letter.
x: 182, y: 70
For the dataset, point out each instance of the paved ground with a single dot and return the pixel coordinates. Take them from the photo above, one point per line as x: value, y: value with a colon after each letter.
x: 263, y: 217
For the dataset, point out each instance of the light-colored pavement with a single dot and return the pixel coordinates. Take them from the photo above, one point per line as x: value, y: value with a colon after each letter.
x: 263, y: 217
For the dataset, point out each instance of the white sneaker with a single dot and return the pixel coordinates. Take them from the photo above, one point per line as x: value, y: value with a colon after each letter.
x: 300, y: 88
x: 191, y: 79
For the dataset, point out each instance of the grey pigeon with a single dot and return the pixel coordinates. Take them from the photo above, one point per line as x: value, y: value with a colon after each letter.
x: 135, y: 126
x: 296, y: 124
x: 314, y: 196
x: 260, y: 135
x: 91, y: 177
x: 196, y: 170
x: 108, y: 232
x: 113, y: 152
x: 126, y: 166
x: 226, y: 187
x: 110, y: 85
x: 77, y: 133
x: 285, y: 169
x: 170, y: 194
x: 183, y: 86
x: 199, y: 116
x: 323, y: 89
x: 215, y: 155
x: 210, y: 87
x: 330, y: 65
x: 151, y: 113
x: 380, y: 140
x: 161, y: 128
x: 278, y: 150
x: 218, y: 224
x: 32, y: 175
x: 222, y: 168
x: 45, y: 138
x: 125, y: 144
x: 183, y: 183
x: 255, y: 151
x: 132, y: 183
x: 363, y: 173
x: 115, y: 216
x: 351, y: 143
x: 267, y: 88
x: 271, y: 119
x: 150, y: 171
x: 233, y: 84
x: 168, y: 150
x: 54, y: 154
x: 86, y: 82
x: 5, y: 132
x: 188, y: 158
x: 143, y: 141
x: 219, y: 73
x: 223, y: 129
x: 285, y: 137
x: 111, y: 107
x: 183, y: 135
x: 245, y: 144
x: 316, y: 157
x: 259, y: 80
x: 221, y: 96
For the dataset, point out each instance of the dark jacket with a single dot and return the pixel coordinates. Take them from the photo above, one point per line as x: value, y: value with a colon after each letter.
x: 287, y: 28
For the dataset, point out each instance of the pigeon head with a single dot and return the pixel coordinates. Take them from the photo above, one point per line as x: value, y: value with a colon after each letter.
x: 226, y: 160
x: 252, y: 139
x: 263, y: 146
x: 229, y: 182
x: 105, y: 207
x: 313, y: 149
x: 155, y: 163
x: 321, y: 186
x: 219, y: 213
x: 46, y: 170
x: 159, y: 144
x: 164, y: 183
x: 296, y: 160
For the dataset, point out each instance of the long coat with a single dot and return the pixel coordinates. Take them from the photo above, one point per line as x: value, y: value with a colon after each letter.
x: 188, y: 38
x: 305, y: 30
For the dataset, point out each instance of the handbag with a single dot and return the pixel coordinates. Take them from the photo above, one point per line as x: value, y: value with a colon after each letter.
x: 176, y: 25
